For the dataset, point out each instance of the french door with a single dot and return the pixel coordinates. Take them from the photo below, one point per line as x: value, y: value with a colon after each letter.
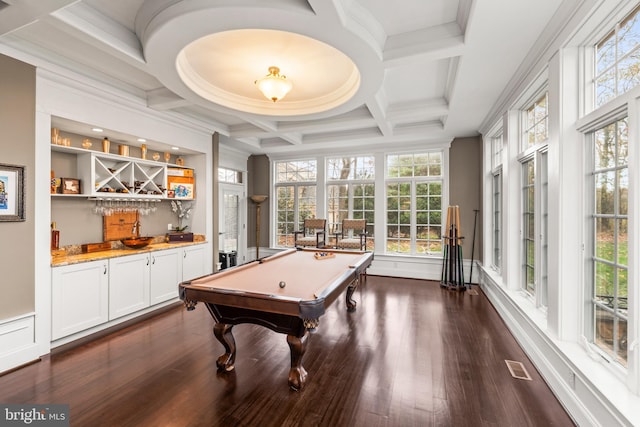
x: 232, y: 221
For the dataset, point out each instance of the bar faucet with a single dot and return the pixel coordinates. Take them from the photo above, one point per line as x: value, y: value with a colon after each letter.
x: 136, y: 229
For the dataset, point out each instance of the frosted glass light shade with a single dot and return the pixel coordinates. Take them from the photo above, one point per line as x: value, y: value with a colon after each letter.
x: 274, y: 86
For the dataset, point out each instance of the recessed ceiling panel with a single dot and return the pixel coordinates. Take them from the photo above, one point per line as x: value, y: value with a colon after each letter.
x: 411, y: 15
x: 427, y: 82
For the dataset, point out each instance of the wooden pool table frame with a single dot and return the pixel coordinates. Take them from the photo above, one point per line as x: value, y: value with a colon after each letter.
x: 295, y: 317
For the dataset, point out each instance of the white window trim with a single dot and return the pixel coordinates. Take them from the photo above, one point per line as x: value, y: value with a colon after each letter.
x: 610, y: 113
x: 273, y: 206
x: 443, y: 178
x: 380, y: 224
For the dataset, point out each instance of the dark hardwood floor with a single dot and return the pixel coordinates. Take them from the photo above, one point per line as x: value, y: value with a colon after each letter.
x: 412, y: 354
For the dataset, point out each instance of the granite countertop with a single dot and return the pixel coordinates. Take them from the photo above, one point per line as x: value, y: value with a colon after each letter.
x: 73, y: 254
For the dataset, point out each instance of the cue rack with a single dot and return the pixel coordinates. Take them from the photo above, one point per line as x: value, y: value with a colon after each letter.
x: 452, y: 262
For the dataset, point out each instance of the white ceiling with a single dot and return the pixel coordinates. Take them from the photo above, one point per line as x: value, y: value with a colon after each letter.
x: 430, y: 70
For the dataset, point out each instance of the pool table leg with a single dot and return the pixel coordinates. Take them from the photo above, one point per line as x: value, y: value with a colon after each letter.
x: 297, y: 373
x: 222, y: 331
x: 351, y: 303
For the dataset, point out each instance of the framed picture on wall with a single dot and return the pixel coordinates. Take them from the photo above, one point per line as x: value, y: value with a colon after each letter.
x: 11, y: 193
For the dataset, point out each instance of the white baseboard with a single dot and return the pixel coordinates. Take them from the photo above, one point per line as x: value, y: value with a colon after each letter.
x: 410, y: 267
x: 17, y: 342
x: 564, y: 366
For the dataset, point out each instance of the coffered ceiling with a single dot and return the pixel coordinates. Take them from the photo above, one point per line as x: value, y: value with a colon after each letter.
x: 380, y: 72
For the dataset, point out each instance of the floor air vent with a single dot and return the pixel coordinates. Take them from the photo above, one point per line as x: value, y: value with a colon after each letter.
x: 517, y: 370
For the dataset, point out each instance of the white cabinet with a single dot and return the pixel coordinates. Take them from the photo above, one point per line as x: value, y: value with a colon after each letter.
x: 79, y: 297
x: 165, y: 274
x: 93, y: 293
x: 128, y: 284
x: 193, y: 262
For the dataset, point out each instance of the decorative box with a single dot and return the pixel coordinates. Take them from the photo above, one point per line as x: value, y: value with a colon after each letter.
x: 180, y: 237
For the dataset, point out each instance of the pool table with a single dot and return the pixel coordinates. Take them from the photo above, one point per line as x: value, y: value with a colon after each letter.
x: 287, y: 292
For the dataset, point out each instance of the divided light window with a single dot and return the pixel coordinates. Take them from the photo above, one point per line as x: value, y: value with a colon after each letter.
x: 229, y: 175
x: 536, y: 123
x: 414, y: 184
x: 496, y: 224
x: 534, y: 203
x: 610, y: 234
x: 497, y: 149
x: 528, y: 225
x: 350, y: 192
x: 496, y: 201
x: 295, y: 187
x: 617, y: 62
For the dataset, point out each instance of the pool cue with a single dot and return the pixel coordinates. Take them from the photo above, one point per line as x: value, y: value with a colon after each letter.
x: 473, y: 244
x: 445, y: 263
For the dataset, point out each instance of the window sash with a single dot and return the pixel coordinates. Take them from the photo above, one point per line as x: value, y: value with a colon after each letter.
x: 294, y: 203
x: 496, y: 224
x: 414, y: 217
x: 609, y: 251
x: 615, y: 60
x: 528, y: 226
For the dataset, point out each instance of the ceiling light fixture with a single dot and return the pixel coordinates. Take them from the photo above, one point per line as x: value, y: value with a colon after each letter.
x: 274, y: 86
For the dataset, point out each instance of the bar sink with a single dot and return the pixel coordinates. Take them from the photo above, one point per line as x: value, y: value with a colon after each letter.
x: 137, y: 242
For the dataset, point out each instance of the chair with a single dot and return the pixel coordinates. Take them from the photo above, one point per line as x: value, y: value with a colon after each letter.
x: 313, y: 233
x: 353, y: 235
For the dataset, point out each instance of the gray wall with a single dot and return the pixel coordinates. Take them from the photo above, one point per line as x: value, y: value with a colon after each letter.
x: 17, y: 147
x: 258, y: 183
x: 465, y: 189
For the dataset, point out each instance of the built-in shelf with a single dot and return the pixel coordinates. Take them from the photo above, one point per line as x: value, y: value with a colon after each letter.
x: 110, y: 175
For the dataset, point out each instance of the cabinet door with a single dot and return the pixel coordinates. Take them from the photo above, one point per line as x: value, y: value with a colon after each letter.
x: 79, y: 297
x: 193, y: 262
x: 128, y: 284
x: 165, y: 275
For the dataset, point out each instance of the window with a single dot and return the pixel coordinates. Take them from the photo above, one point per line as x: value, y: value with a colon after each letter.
x: 230, y: 176
x: 414, y: 203
x: 350, y: 192
x: 610, y: 231
x: 536, y: 123
x: 534, y: 206
x: 544, y: 227
x: 295, y: 187
x: 617, y: 62
x: 496, y: 224
x: 497, y: 150
x: 528, y: 225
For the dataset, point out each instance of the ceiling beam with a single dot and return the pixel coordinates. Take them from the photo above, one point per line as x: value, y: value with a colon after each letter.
x: 443, y: 41
x: 102, y: 32
x: 424, y: 110
x: 377, y: 107
x: 20, y: 13
x: 163, y: 99
x: 271, y: 128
